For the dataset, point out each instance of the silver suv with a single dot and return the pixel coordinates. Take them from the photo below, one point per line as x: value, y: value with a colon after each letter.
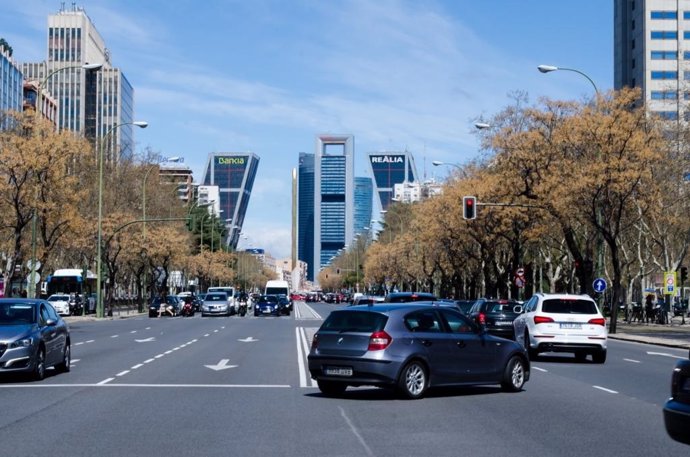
x: 562, y: 323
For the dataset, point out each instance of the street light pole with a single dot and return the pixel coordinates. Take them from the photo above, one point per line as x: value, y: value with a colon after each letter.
x: 38, y: 111
x: 99, y: 254
x: 550, y: 68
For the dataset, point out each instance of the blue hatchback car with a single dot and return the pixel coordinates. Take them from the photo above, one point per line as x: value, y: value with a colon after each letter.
x: 411, y: 348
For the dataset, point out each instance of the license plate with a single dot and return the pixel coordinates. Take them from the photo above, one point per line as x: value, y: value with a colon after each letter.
x: 267, y: 311
x: 338, y: 371
x: 500, y: 323
x: 571, y: 325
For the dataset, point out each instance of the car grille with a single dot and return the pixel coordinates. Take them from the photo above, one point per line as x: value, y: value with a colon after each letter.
x: 3, y: 348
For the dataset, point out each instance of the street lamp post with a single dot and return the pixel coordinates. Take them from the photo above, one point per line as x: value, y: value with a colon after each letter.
x: 99, y: 255
x: 38, y: 111
x: 550, y: 68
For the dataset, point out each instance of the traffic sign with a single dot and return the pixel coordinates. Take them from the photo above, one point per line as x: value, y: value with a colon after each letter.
x: 599, y: 285
x: 669, y: 283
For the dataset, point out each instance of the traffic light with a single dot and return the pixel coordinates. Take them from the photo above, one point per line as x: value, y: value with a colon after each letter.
x: 469, y: 207
x: 683, y: 275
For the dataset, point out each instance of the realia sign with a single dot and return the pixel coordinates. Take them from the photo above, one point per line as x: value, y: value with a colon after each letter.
x: 388, y: 159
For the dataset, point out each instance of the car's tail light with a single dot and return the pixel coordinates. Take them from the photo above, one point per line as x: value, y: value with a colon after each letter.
x: 542, y: 320
x: 482, y: 319
x: 597, y: 321
x: 315, y: 342
x: 379, y: 340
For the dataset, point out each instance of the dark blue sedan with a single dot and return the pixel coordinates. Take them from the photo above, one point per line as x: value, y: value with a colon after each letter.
x: 267, y: 305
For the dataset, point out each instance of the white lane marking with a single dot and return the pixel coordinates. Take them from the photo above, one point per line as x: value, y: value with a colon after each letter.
x: 146, y: 340
x: 306, y: 312
x: 168, y: 352
x: 122, y: 373
x: 302, y: 351
x: 90, y: 341
x: 75, y: 360
x: 147, y: 328
x: 249, y: 339
x: 149, y: 360
x: 355, y: 432
x: 664, y: 354
x: 104, y: 383
x: 215, y: 331
x: 79, y: 343
x: 540, y: 369
x: 605, y: 389
x: 176, y: 349
x: 158, y: 356
x: 114, y: 336
x: 133, y: 331
x: 208, y: 334
x: 632, y: 360
x: 138, y: 365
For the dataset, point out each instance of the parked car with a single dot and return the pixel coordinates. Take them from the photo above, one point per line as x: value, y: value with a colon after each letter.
x: 33, y: 337
x: 411, y: 347
x: 407, y: 297
x: 562, y: 323
x: 61, y: 303
x: 677, y: 408
x: 267, y: 304
x: 496, y: 315
x: 171, y: 306
x: 216, y: 304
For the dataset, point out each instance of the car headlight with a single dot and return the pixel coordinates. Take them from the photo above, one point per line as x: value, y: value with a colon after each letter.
x: 22, y: 343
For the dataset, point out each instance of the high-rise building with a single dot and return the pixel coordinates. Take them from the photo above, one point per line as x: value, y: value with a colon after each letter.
x: 11, y: 84
x: 652, y: 52
x: 389, y: 169
x: 333, y: 196
x: 305, y: 212
x: 364, y: 194
x: 91, y: 102
x: 233, y: 173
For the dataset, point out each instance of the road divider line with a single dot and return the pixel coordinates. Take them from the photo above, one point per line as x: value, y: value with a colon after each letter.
x: 605, y: 389
x: 122, y: 373
x: 355, y: 431
x: 138, y: 365
x: 114, y: 336
x: 302, y: 352
x: 632, y: 360
x: 300, y: 358
x: 105, y: 381
x: 540, y: 369
x: 149, y: 360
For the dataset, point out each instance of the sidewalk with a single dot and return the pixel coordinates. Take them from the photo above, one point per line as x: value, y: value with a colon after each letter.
x: 676, y: 335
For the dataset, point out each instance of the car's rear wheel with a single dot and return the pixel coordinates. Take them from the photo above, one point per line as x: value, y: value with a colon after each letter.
x: 600, y: 356
x: 514, y: 375
x: 39, y: 372
x: 413, y: 380
x: 64, y: 366
x: 580, y: 356
x: 332, y: 388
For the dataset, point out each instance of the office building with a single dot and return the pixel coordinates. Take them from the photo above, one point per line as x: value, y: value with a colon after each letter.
x: 234, y: 174
x: 652, y: 52
x: 333, y: 196
x: 11, y: 84
x: 305, y: 212
x: 364, y: 195
x: 90, y: 102
x: 389, y: 169
x: 180, y: 176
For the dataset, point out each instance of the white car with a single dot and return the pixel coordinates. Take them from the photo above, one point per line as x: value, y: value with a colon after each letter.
x: 61, y: 303
x: 562, y: 323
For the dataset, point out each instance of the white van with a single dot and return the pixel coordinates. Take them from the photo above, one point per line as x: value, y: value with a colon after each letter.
x: 275, y: 287
x: 231, y: 295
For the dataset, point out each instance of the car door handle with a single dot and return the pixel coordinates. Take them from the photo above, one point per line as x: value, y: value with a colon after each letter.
x: 460, y: 344
x: 426, y: 343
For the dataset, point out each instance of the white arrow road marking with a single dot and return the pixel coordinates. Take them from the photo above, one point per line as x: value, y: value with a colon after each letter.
x: 222, y: 365
x: 666, y: 355
x: 249, y: 339
x: 147, y: 340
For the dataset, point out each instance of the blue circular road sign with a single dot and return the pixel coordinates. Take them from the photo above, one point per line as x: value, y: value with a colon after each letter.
x: 599, y: 285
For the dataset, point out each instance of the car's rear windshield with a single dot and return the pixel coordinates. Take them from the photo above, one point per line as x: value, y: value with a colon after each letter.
x: 355, y: 321
x: 499, y: 307
x: 216, y: 297
x: 567, y: 306
x: 406, y: 298
x: 58, y: 297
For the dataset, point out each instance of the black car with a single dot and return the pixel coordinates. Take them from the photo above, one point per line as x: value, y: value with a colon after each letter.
x: 464, y: 305
x: 408, y: 297
x: 496, y: 315
x: 677, y: 408
x: 285, y: 304
x: 171, y: 306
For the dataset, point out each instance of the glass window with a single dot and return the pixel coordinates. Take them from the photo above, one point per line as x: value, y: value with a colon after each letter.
x: 664, y: 35
x: 664, y: 14
x: 423, y: 321
x: 667, y: 115
x: 664, y: 55
x: 456, y: 322
x: 664, y: 95
x: 686, y: 15
x: 664, y: 75
x: 686, y: 35
x: 355, y: 321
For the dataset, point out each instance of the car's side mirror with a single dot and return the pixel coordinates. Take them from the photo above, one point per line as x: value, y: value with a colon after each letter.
x: 51, y: 322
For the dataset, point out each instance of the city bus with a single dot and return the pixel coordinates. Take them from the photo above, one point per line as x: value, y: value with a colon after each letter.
x: 72, y: 281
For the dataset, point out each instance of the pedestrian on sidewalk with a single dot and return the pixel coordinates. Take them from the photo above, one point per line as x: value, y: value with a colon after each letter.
x: 649, y: 308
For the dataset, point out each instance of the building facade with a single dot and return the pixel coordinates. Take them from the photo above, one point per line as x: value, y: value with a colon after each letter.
x: 305, y: 212
x: 364, y: 195
x: 11, y: 84
x: 333, y: 196
x: 90, y: 102
x: 234, y: 174
x: 181, y: 177
x: 652, y: 52
x: 389, y: 169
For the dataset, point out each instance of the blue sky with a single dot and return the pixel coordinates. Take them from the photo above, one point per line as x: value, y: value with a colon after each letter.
x: 267, y: 76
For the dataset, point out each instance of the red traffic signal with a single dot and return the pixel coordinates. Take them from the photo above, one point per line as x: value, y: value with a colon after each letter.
x: 469, y: 207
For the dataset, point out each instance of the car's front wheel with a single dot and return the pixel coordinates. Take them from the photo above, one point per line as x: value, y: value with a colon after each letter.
x: 413, y: 380
x: 39, y: 372
x: 332, y: 388
x: 514, y: 375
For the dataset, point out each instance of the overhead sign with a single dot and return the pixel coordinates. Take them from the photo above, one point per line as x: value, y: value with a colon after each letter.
x: 670, y: 283
x: 599, y: 285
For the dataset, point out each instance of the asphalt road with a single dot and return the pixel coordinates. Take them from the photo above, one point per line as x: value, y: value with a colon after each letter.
x: 238, y: 387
